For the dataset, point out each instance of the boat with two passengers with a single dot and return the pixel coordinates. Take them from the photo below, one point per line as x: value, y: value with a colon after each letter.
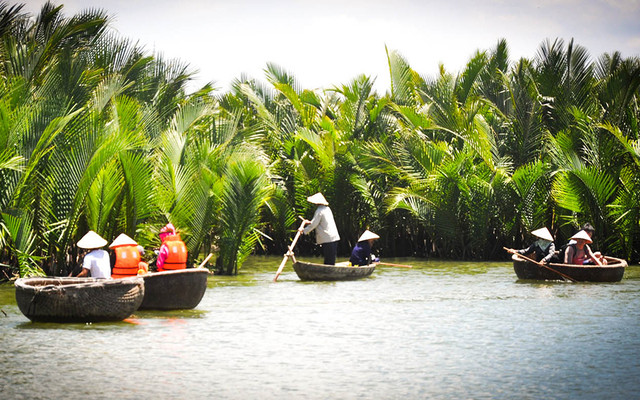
x: 179, y: 289
x: 613, y: 271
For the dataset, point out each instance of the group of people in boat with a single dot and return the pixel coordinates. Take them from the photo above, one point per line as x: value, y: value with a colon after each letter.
x: 172, y: 255
x: 576, y: 251
x: 327, y: 235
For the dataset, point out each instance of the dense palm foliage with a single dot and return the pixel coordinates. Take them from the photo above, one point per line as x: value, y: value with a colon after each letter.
x: 97, y: 134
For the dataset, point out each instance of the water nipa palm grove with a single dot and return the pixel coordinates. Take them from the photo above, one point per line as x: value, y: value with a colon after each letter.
x: 98, y: 134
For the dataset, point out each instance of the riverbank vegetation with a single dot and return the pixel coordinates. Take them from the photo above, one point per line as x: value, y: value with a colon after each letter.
x: 96, y: 133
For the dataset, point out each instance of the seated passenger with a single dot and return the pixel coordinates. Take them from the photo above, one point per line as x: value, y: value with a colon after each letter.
x: 128, y: 258
x: 97, y: 262
x: 361, y: 254
x: 579, y: 253
x: 173, y: 252
x: 587, y: 227
x: 543, y: 248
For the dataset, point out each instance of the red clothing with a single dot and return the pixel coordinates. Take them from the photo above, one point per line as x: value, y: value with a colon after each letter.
x: 173, y: 254
x: 128, y: 261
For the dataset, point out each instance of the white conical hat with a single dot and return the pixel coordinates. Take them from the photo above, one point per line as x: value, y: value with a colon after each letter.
x: 543, y: 233
x: 368, y: 235
x: 91, y: 241
x: 123, y: 240
x: 318, y: 198
x: 582, y: 235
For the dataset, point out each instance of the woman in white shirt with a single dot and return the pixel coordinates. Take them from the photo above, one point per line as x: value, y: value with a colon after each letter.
x: 325, y: 226
x: 96, y: 263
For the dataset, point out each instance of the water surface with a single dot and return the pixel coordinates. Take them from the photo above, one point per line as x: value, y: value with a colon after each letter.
x: 441, y: 330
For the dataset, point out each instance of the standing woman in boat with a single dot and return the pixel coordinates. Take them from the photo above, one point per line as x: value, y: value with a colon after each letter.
x: 580, y: 253
x: 361, y: 254
x: 97, y: 262
x: 173, y: 251
x: 325, y: 226
x: 543, y: 248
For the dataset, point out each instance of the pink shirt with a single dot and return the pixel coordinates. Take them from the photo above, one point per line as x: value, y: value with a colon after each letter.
x: 162, y: 255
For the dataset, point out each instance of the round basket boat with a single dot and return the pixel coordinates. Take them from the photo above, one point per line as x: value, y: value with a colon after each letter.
x: 612, y: 272
x: 174, y: 290
x: 320, y: 272
x: 78, y: 299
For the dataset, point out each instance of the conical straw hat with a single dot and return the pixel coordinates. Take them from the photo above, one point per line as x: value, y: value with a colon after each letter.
x: 368, y: 235
x: 91, y: 241
x: 318, y: 198
x: 123, y: 240
x: 543, y: 233
x: 582, y: 235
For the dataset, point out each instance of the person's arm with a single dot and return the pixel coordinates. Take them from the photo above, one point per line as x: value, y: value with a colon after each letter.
x: 568, y: 255
x: 551, y: 251
x: 593, y: 258
x: 162, y: 255
x: 527, y: 250
x: 315, y: 221
x: 86, y: 265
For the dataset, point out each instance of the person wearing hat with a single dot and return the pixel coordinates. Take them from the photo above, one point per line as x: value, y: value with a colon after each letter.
x: 325, y: 226
x: 543, y: 248
x: 580, y: 253
x: 173, y: 251
x: 361, y: 254
x: 96, y: 263
x: 128, y: 258
x: 587, y: 227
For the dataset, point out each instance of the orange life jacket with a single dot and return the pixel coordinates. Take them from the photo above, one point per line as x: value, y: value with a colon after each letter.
x: 177, y: 258
x: 127, y: 261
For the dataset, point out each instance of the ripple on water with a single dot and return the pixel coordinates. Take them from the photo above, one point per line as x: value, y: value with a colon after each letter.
x: 439, y: 330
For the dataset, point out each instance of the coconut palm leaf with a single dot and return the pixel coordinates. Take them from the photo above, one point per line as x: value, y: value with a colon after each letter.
x: 16, y: 232
x: 246, y: 190
x: 404, y: 80
x: 586, y: 191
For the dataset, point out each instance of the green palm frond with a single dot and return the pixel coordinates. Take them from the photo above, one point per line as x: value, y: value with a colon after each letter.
x: 467, y: 80
x: 245, y: 192
x: 17, y: 233
x: 586, y: 191
x: 404, y: 80
x: 102, y: 199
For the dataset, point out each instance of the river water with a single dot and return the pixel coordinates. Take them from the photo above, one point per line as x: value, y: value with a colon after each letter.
x: 442, y: 330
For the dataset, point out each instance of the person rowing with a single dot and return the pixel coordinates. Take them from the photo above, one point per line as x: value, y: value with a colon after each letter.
x: 543, y: 248
x: 327, y: 235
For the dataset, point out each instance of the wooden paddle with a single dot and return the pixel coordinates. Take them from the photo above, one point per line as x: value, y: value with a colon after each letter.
x: 290, y: 252
x: 540, y: 264
x: 205, y: 260
x: 394, y: 265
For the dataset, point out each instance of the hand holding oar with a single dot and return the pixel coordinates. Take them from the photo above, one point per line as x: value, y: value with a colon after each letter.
x: 290, y: 252
x: 394, y: 265
x: 540, y: 264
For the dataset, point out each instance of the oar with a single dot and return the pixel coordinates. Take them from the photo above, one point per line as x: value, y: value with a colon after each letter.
x: 395, y: 265
x: 290, y: 252
x: 541, y: 264
x: 205, y: 260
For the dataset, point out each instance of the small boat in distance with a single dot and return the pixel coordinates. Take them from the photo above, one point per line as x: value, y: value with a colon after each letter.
x: 340, y: 272
x: 179, y: 289
x: 62, y: 299
x: 612, y: 272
